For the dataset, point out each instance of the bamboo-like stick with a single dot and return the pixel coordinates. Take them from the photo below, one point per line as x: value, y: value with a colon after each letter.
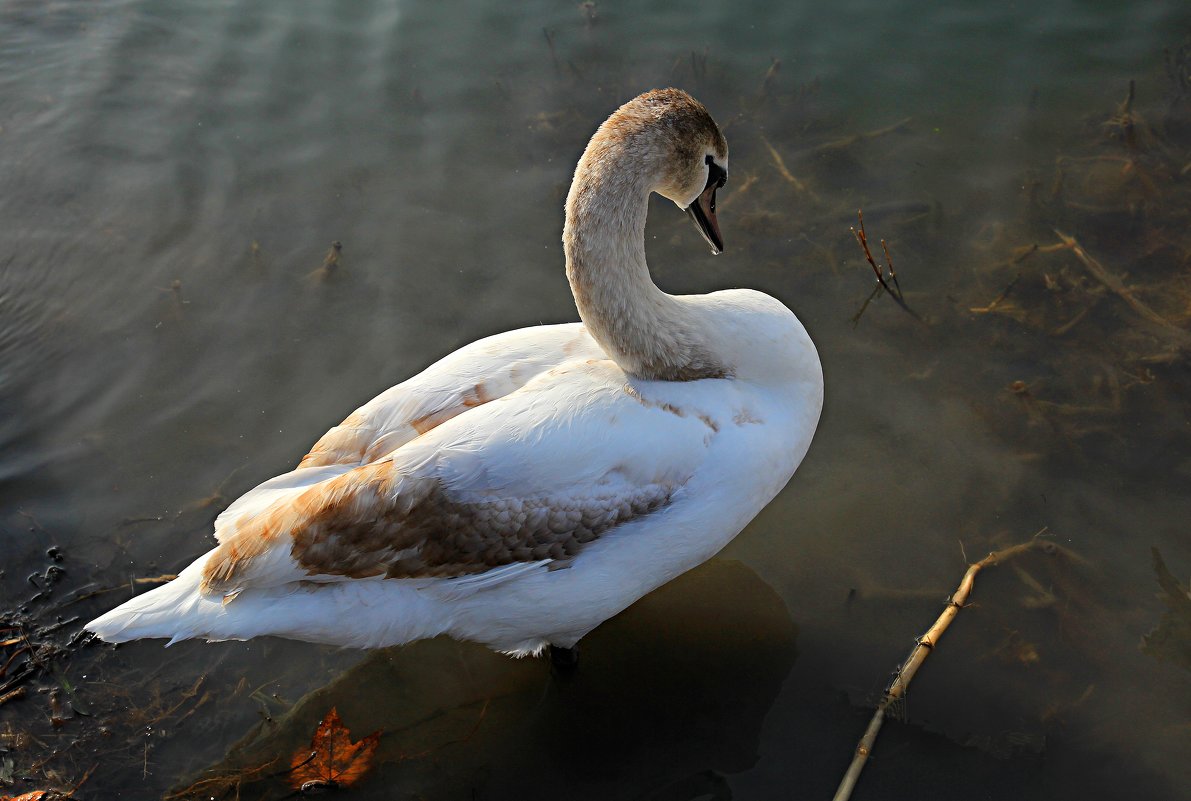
x: 925, y: 644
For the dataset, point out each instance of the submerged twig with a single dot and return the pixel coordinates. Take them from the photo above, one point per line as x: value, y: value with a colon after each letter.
x: 770, y: 75
x: 12, y: 695
x: 784, y: 171
x: 848, y: 141
x: 894, y: 291
x: 999, y: 299
x: 88, y: 592
x: 1077, y: 318
x: 223, y: 783
x: 1098, y: 271
x: 24, y: 649
x: 924, y: 645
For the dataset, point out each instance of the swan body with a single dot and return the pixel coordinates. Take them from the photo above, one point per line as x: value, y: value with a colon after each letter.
x: 532, y: 484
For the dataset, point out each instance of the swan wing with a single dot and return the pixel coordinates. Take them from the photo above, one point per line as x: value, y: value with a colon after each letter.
x: 522, y: 482
x: 476, y: 374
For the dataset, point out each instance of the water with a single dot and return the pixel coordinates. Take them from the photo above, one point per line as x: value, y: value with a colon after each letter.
x: 225, y: 146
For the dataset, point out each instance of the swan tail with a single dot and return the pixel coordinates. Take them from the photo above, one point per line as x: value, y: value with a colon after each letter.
x: 173, y: 610
x: 362, y: 614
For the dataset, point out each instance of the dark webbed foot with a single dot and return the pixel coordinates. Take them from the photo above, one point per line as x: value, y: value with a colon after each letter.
x: 564, y: 660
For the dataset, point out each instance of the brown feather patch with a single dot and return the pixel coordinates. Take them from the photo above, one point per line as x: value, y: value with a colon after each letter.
x: 373, y: 521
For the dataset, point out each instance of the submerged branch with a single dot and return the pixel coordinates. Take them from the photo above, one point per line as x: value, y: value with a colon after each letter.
x: 894, y: 291
x: 922, y: 648
x: 998, y: 300
x: 848, y: 141
x: 1176, y: 335
x: 780, y: 165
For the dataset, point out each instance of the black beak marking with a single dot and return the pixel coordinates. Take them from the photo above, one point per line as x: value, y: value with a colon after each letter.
x: 702, y: 209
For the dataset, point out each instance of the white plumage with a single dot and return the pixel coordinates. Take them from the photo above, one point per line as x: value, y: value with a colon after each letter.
x: 532, y: 484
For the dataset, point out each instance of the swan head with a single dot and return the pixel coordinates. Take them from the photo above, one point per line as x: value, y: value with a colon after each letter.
x: 671, y: 141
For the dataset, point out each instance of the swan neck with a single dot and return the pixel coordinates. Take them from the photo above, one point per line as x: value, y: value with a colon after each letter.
x: 648, y: 333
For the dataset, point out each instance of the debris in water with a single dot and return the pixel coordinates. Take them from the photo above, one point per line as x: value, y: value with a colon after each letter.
x: 1171, y: 638
x: 883, y: 280
x: 332, y: 760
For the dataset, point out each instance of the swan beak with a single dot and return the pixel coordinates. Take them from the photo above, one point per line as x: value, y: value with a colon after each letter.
x: 702, y: 211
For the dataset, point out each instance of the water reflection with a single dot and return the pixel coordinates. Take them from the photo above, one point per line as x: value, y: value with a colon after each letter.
x: 668, y: 695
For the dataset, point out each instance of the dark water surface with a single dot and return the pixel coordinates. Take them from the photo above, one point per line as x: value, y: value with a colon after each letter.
x: 172, y: 174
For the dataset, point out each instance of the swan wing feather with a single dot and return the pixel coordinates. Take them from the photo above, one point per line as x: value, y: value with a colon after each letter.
x: 529, y: 478
x: 476, y: 374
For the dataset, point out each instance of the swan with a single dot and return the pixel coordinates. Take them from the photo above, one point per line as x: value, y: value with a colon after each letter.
x: 531, y: 485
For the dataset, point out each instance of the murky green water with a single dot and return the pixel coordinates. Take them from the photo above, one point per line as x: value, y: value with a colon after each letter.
x: 224, y: 146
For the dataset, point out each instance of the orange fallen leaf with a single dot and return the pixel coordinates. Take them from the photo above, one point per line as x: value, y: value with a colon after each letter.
x: 332, y: 760
x: 36, y: 795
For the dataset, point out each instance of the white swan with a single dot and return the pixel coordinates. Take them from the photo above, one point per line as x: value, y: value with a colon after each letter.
x: 530, y: 485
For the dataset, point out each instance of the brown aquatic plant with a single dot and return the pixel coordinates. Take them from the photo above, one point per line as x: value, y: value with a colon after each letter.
x: 847, y: 141
x: 51, y: 795
x: 784, y: 171
x: 1175, y: 335
x: 1171, y: 638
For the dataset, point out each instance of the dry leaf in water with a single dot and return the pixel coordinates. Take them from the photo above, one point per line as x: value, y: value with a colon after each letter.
x: 332, y: 760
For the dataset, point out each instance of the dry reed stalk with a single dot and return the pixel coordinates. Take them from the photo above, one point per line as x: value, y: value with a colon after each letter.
x: 925, y: 644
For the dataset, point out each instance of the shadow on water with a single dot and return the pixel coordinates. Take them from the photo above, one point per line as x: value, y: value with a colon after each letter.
x: 667, y: 697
